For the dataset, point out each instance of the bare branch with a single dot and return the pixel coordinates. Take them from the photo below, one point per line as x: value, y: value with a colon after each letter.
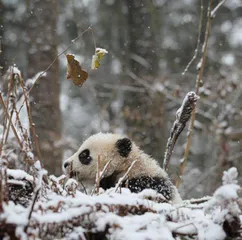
x: 41, y: 172
x: 213, y: 13
x: 182, y: 116
x: 198, y: 40
x: 32, y: 208
x: 197, y: 87
x: 31, y: 123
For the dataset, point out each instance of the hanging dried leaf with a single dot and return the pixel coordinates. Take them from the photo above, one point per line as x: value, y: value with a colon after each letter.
x: 99, y: 54
x: 75, y: 71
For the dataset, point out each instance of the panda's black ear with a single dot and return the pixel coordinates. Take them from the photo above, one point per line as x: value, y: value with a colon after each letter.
x: 124, y: 146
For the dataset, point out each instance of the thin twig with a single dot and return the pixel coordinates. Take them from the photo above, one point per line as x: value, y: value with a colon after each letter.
x: 23, y: 131
x: 38, y: 188
x: 84, y: 188
x: 182, y: 116
x: 32, y: 208
x: 198, y: 83
x: 200, y: 200
x: 31, y: 123
x: 1, y: 190
x: 98, y: 173
x: 94, y: 40
x: 6, y: 192
x: 122, y: 179
x: 101, y: 176
x: 12, y: 126
x: 5, y: 122
x: 198, y: 40
x: 216, y: 8
x: 68, y: 47
x: 11, y: 116
x: 186, y: 232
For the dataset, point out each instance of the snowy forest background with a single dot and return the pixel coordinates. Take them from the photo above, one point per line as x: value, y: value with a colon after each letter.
x: 139, y: 86
x: 137, y: 91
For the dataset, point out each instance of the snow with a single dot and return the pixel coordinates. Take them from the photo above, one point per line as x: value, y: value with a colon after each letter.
x: 228, y: 191
x: 14, y: 214
x: 236, y: 33
x: 199, y: 65
x: 230, y: 176
x: 189, y: 94
x: 101, y: 50
x: 150, y: 226
x: 228, y: 59
x: 126, y: 215
x: 13, y: 70
x: 31, y: 81
x: 211, y: 231
x: 19, y: 174
x: 37, y: 164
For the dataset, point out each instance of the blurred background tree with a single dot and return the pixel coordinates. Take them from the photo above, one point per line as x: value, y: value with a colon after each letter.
x: 140, y: 85
x: 42, y: 39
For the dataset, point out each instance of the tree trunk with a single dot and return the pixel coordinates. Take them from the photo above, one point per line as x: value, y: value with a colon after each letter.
x: 46, y: 114
x: 2, y: 60
x: 144, y: 112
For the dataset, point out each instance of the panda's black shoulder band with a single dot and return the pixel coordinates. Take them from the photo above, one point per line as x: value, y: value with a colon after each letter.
x: 124, y: 146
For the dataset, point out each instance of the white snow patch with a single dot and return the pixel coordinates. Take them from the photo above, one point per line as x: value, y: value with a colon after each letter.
x: 19, y: 174
x: 228, y: 191
x: 228, y: 59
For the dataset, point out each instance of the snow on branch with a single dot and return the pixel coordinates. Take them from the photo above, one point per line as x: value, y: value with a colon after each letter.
x: 230, y: 176
x: 183, y: 114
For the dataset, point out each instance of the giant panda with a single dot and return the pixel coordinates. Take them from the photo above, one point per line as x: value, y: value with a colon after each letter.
x: 145, y: 173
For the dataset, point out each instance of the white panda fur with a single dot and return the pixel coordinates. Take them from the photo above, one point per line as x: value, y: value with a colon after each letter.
x: 122, y: 152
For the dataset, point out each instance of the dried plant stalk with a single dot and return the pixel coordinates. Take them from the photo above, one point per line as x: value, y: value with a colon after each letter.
x: 31, y: 123
x: 5, y: 120
x: 182, y: 116
x: 101, y: 176
x: 98, y: 173
x: 122, y: 179
x: 210, y: 15
x: 12, y: 126
x: 1, y: 189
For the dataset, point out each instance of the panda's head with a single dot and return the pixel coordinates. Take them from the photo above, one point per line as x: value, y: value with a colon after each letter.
x: 106, y: 146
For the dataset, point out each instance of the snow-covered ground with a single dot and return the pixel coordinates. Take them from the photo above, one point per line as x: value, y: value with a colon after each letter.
x: 63, y: 212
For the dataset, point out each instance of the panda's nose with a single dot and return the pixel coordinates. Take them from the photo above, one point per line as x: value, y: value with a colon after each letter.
x: 66, y: 164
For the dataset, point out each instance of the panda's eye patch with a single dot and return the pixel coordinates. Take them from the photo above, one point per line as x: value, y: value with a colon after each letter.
x: 84, y: 157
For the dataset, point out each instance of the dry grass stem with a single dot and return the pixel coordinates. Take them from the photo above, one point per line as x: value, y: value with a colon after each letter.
x: 31, y: 123
x: 98, y: 173
x: 12, y: 126
x: 101, y: 176
x: 122, y: 179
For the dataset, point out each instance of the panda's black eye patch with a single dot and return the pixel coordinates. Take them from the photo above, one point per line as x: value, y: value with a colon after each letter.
x: 84, y: 157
